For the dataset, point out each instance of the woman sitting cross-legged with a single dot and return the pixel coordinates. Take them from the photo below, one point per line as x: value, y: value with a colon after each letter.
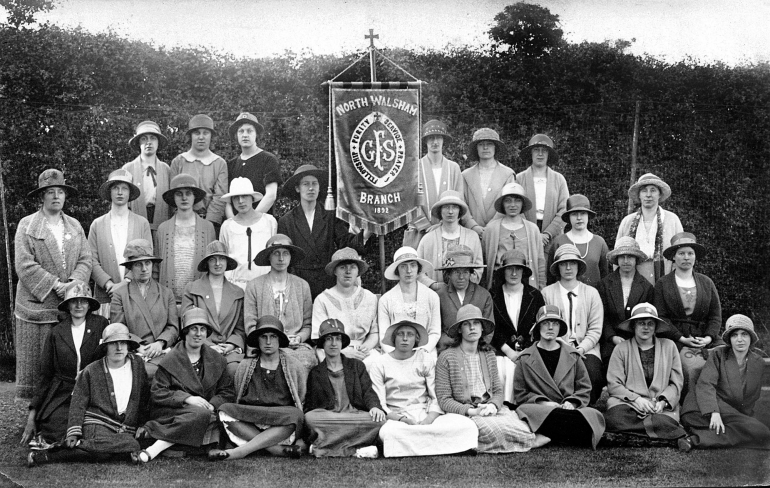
x: 342, y: 410
x: 109, y: 404
x: 267, y: 413
x: 190, y: 385
x: 467, y: 384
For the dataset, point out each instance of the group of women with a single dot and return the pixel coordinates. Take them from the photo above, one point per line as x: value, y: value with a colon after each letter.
x: 499, y: 335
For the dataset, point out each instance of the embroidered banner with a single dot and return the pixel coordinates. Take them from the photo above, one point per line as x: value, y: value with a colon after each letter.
x: 377, y: 146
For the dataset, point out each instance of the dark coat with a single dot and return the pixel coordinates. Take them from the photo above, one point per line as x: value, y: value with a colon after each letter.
x: 229, y: 320
x: 505, y: 333
x: 611, y: 292
x: 706, y: 318
x: 320, y: 393
x: 449, y: 304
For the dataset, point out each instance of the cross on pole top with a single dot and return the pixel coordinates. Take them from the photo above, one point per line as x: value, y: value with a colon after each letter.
x: 371, y: 36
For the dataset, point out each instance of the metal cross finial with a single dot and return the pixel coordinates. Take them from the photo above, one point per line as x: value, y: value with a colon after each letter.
x: 372, y: 36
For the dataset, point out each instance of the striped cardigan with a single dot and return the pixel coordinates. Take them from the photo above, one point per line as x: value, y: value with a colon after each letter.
x: 452, y: 389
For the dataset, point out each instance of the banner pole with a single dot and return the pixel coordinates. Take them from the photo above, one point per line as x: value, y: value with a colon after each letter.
x: 329, y: 204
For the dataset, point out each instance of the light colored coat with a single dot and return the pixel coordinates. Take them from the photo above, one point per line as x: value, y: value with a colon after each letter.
x: 451, y: 179
x: 229, y: 320
x: 151, y: 318
x: 297, y: 312
x: 391, y: 309
x: 482, y: 205
x: 162, y: 178
x: 556, y: 195
x: 535, y: 253
x: 211, y: 178
x: 589, y: 315
x: 431, y: 249
x: 671, y: 227
x: 204, y: 233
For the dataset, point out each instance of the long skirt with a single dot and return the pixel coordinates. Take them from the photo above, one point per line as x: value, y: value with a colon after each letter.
x: 266, y: 416
x: 30, y: 339
x: 506, y: 368
x: 567, y: 427
x: 53, y: 428
x: 339, y: 434
x: 188, y: 425
x: 740, y: 430
x: 448, y: 434
x: 624, y: 419
x: 503, y: 432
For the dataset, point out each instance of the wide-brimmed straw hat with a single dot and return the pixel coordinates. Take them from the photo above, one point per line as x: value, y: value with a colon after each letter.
x: 346, y: 255
x: 459, y: 256
x: 138, y: 250
x: 436, y: 128
x: 78, y: 289
x: 279, y: 241
x: 514, y: 189
x: 147, y: 127
x: 290, y: 187
x: 389, y: 340
x: 216, y: 248
x: 50, y: 178
x: 449, y: 197
x: 684, y: 239
x: 267, y: 323
x: 626, y: 246
x: 117, y: 332
x: 567, y: 252
x: 201, y: 121
x: 548, y: 312
x: 332, y: 326
x: 487, y: 134
x: 403, y: 255
x: 245, y: 118
x: 241, y: 186
x: 739, y: 322
x: 645, y: 311
x: 198, y: 316
x: 180, y: 182
x: 514, y: 257
x: 577, y: 203
x: 649, y: 179
x: 119, y: 176
x: 540, y: 140
x: 470, y: 312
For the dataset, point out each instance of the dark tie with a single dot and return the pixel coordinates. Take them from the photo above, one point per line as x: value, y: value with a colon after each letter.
x: 151, y: 172
x: 571, y: 330
x: 248, y: 234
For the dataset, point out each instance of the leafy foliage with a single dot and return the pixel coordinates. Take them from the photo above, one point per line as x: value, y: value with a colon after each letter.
x: 527, y: 30
x: 22, y: 12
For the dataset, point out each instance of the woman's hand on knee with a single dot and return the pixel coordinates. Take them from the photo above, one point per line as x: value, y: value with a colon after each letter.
x: 197, y: 401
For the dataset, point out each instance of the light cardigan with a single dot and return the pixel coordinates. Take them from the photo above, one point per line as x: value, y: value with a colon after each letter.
x: 451, y: 179
x: 294, y: 372
x: 431, y: 249
x: 452, y: 388
x: 40, y: 264
x: 162, y: 178
x: 391, y: 310
x: 671, y: 227
x: 482, y: 204
x: 589, y: 315
x: 204, y: 233
x: 297, y: 312
x: 535, y: 254
x: 625, y: 376
x: 556, y: 194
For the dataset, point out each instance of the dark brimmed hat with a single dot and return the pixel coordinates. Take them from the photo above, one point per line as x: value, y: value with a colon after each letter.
x: 403, y: 255
x: 200, y: 121
x: 514, y: 189
x: 332, y: 326
x: 459, y: 256
x: 644, y: 311
x: 626, y: 246
x: 245, y: 118
x: 241, y: 186
x: 577, y: 203
x: 421, y: 331
x: 183, y: 182
x: 279, y: 241
x: 198, y: 316
x: 119, y: 176
x: 216, y: 248
x: 346, y: 255
x: 117, y: 332
x: 449, y: 197
x: 649, y: 179
x: 50, y: 178
x: 290, y: 187
x: 540, y: 140
x: 267, y: 323
x: 567, y: 252
x: 487, y: 134
x: 138, y: 250
x: 739, y: 322
x: 147, y: 127
x: 514, y: 257
x: 78, y: 289
x: 470, y: 312
x: 548, y: 312
x: 684, y: 239
x: 435, y: 128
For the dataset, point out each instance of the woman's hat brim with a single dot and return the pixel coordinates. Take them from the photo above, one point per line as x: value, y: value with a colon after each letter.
x: 71, y: 191
x: 665, y: 190
x: 133, y: 143
x: 390, y: 271
x: 227, y: 197
x: 422, y: 331
x: 93, y: 304
x: 435, y: 210
x: 565, y: 215
x: 670, y: 252
x: 501, y: 150
x: 133, y: 340
x: 252, y: 340
x: 461, y: 266
x: 487, y: 326
x: 534, y: 332
x: 499, y: 202
x: 168, y: 195
x: 362, y: 266
x: 582, y: 267
x: 526, y: 273
x: 661, y: 327
x: 203, y: 265
x: 319, y: 343
x: 612, y: 256
x: 106, y: 188
x: 553, y: 156
x: 727, y: 333
x: 141, y: 258
x: 233, y: 129
x: 263, y: 256
x: 289, y: 189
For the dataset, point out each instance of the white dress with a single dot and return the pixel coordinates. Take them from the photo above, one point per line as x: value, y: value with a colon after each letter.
x: 234, y: 235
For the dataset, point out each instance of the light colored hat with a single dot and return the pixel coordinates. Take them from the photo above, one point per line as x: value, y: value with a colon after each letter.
x: 540, y: 140
x: 290, y: 187
x: 200, y: 121
x: 78, y: 289
x: 180, y: 182
x: 267, y: 323
x: 739, y: 322
x: 198, y: 316
x: 515, y: 257
x: 449, y: 197
x: 644, y: 311
x: 245, y: 118
x: 459, y: 257
x: 118, y: 332
x: 403, y: 255
x: 567, y: 252
x: 332, y: 326
x: 626, y: 246
x: 138, y: 250
x: 649, y: 179
x: 241, y: 186
x: 346, y: 255
x: 548, y: 312
x: 389, y: 340
x: 470, y: 312
x: 577, y: 203
x: 279, y: 241
x: 119, y: 176
x: 50, y: 178
x: 487, y: 134
x: 684, y: 239
x: 435, y: 128
x: 216, y: 248
x: 516, y: 190
x: 147, y: 127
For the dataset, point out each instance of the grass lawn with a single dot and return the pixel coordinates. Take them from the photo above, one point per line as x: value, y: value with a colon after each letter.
x: 550, y: 466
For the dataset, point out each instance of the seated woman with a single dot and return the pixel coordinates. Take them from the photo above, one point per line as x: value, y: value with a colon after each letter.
x: 342, y: 410
x: 223, y: 303
x: 284, y: 296
x: 644, y: 380
x: 404, y: 381
x: 267, y: 413
x: 467, y: 384
x: 351, y: 303
x: 190, y: 385
x: 107, y: 410
x: 61, y: 364
x: 551, y: 386
x: 720, y: 409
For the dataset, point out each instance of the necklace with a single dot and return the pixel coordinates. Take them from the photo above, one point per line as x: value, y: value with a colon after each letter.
x: 583, y: 256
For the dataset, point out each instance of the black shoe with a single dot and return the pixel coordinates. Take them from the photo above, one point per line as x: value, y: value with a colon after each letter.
x: 36, y: 458
x: 293, y: 452
x: 684, y: 444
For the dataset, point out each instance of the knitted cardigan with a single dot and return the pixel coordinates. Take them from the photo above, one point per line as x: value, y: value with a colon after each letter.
x: 452, y: 389
x: 293, y: 371
x: 297, y: 311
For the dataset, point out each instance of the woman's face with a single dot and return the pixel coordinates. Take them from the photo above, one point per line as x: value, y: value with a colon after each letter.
x: 568, y: 270
x: 471, y: 330
x: 217, y: 265
x: 120, y: 193
x: 579, y: 220
x: 627, y: 263
x: 280, y: 259
x: 405, y: 338
x: 117, y: 352
x: 644, y: 329
x: 184, y: 199
x: 308, y: 188
x: 247, y: 136
x: 450, y: 213
x: 243, y: 203
x: 649, y: 195
x: 740, y: 341
x: 549, y: 330
x: 333, y: 345
x: 78, y: 308
x: 407, y: 272
x: 346, y: 274
x: 200, y: 139
x: 196, y: 336
x: 142, y: 271
x: 460, y: 278
x: 486, y: 149
x: 53, y: 199
x: 684, y: 259
x: 435, y: 144
x: 512, y: 205
x: 539, y: 157
x: 513, y: 275
x: 148, y: 144
x: 268, y: 343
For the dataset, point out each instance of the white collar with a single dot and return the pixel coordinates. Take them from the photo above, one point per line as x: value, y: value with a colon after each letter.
x: 205, y: 161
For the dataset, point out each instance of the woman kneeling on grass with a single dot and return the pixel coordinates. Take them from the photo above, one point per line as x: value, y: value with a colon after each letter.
x: 108, y: 405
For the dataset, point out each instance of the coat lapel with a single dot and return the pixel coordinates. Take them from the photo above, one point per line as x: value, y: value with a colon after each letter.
x: 474, y: 187
x: 66, y: 333
x: 566, y: 363
x: 319, y: 225
x: 537, y: 366
x: 178, y: 364
x: 141, y: 304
